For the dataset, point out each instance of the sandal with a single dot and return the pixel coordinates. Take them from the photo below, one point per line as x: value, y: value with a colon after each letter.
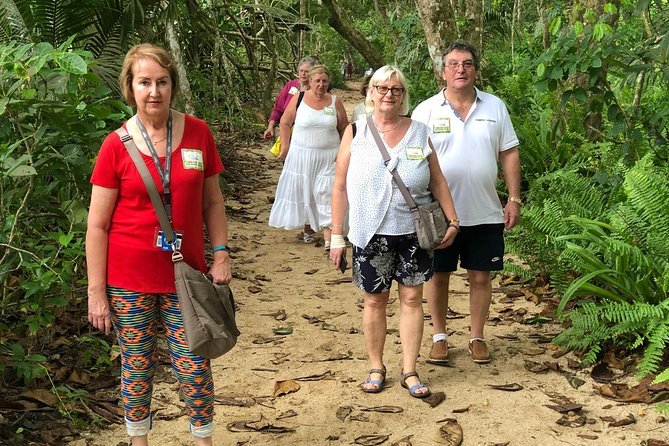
x: 416, y: 387
x: 376, y: 382
x: 308, y: 238
x: 327, y: 245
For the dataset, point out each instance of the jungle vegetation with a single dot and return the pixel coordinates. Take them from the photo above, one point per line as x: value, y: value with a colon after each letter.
x: 586, y: 83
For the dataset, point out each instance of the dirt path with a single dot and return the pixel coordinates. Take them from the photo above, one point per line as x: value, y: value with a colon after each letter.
x: 282, y: 283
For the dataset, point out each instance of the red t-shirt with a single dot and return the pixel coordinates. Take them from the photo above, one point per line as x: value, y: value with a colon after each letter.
x: 133, y: 260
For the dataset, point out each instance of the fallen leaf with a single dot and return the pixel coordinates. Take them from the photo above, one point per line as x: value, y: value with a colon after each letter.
x: 329, y: 327
x: 624, y: 422
x: 565, y: 408
x: 532, y: 351
x: 359, y: 417
x: 371, y: 440
x: 573, y: 364
x: 511, y: 387
x: 451, y: 432
x: 435, y: 398
x: 285, y: 387
x: 602, y: 373
x: 343, y: 412
x: 285, y: 269
x: 263, y: 278
x: 507, y: 337
x: 383, y: 409
x: 572, y: 421
x: 535, y: 367
x: 588, y: 436
x: 311, y: 271
x: 282, y: 330
x: 319, y: 377
x: 404, y: 441
x: 560, y: 353
x: 262, y: 425
x: 266, y: 340
x: 41, y: 396
x: 461, y: 410
x: 254, y: 289
x: 287, y: 414
x: 312, y: 319
x: 653, y: 442
x: 573, y: 381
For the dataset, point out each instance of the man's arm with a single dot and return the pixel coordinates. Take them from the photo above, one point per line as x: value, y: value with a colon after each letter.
x: 510, y: 161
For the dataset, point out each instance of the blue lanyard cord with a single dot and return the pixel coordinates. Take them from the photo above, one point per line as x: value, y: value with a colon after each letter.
x: 163, y: 172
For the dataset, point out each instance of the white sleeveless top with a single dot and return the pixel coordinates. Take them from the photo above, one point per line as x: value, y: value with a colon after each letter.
x: 316, y: 129
x: 376, y: 205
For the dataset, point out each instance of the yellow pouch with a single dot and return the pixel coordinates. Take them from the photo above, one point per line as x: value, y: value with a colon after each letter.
x: 276, y: 148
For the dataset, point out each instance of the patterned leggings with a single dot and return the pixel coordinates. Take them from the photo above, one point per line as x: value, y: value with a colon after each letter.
x: 135, y: 317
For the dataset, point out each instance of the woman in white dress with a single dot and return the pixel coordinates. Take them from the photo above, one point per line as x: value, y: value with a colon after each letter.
x: 303, y: 195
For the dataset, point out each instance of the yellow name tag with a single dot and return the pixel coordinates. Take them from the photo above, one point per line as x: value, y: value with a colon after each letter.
x: 293, y: 90
x: 192, y: 159
x: 415, y: 153
x: 329, y: 111
x: 441, y: 125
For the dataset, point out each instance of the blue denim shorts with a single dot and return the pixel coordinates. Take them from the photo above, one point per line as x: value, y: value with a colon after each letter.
x: 388, y: 257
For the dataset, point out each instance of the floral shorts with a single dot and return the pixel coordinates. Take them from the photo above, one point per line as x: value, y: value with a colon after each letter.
x: 388, y: 257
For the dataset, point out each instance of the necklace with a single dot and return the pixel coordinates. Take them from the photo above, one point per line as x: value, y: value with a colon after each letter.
x: 160, y: 140
x: 391, y: 129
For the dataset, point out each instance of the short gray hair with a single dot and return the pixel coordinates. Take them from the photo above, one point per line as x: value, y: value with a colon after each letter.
x: 461, y: 45
x: 307, y: 60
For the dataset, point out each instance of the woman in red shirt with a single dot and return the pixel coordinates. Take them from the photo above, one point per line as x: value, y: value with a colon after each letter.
x: 130, y: 271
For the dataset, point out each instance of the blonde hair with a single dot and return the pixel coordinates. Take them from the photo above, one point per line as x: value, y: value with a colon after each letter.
x: 381, y: 75
x: 319, y: 69
x: 145, y: 51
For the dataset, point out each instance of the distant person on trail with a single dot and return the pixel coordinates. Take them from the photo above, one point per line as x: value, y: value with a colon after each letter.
x: 129, y: 262
x: 309, y: 150
x: 360, y: 108
x: 385, y: 245
x: 288, y: 92
x: 471, y: 131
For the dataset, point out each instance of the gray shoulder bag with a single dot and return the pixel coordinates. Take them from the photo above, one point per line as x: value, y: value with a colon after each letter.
x: 207, y: 309
x: 428, y: 219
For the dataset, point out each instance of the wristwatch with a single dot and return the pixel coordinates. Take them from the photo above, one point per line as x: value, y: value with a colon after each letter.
x: 516, y: 200
x: 454, y: 223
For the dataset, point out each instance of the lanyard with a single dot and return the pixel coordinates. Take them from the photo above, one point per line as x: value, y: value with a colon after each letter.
x: 163, y: 172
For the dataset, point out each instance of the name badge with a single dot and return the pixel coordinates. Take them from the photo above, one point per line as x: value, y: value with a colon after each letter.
x: 441, y: 125
x: 161, y: 241
x: 293, y: 90
x: 329, y: 111
x: 192, y: 159
x: 415, y: 153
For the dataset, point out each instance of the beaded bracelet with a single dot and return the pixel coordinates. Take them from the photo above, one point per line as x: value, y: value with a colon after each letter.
x: 220, y: 248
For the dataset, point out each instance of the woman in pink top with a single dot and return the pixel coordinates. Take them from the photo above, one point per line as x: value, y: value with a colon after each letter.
x: 289, y: 90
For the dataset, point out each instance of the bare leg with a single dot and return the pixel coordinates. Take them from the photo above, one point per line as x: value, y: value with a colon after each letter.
x: 411, y: 329
x: 374, y: 328
x: 327, y: 234
x: 436, y: 291
x: 142, y: 440
x: 204, y: 441
x: 480, y: 295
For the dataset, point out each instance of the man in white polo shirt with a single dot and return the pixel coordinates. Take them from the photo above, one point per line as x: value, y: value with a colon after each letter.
x: 471, y: 132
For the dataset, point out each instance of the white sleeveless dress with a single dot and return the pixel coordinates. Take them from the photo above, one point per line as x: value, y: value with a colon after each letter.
x: 303, y: 194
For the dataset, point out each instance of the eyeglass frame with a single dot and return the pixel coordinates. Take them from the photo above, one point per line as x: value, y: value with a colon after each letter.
x: 392, y: 90
x: 467, y: 65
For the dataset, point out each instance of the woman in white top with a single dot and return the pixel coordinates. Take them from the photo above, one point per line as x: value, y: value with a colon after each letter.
x: 303, y: 195
x: 385, y: 246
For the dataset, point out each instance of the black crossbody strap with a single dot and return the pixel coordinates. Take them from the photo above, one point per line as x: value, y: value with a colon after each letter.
x: 133, y: 151
x: 386, y: 157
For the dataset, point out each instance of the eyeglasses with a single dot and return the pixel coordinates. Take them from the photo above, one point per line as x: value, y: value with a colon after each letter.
x: 467, y: 65
x: 383, y: 90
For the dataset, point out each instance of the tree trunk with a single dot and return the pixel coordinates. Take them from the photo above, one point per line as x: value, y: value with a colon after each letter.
x: 438, y: 17
x: 346, y: 29
x: 184, y: 85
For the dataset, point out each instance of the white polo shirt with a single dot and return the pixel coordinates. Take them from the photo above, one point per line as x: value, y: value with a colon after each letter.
x: 468, y: 152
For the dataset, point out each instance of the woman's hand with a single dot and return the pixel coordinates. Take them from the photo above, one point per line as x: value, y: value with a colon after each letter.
x: 449, y: 237
x: 336, y: 255
x: 269, y: 133
x: 221, y: 271
x: 98, y: 310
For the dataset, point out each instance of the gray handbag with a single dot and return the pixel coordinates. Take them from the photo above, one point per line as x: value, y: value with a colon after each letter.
x: 207, y: 309
x: 428, y: 219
